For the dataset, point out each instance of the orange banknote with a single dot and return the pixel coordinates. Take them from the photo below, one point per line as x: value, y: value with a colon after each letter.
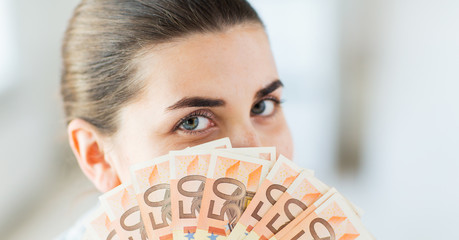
x: 152, y: 190
x: 333, y: 219
x: 188, y: 177
x: 216, y: 144
x: 280, y: 235
x: 121, y: 207
x: 267, y: 153
x: 232, y: 181
x: 277, y: 181
x: 99, y: 226
x: 304, y: 191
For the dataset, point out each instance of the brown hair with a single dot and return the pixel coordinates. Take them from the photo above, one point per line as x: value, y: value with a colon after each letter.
x: 105, y: 36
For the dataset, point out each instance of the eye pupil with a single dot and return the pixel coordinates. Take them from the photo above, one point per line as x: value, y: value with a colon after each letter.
x: 259, y: 107
x: 191, y: 123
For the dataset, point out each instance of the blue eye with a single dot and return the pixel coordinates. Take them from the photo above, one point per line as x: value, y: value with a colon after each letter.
x: 264, y: 107
x: 195, y: 123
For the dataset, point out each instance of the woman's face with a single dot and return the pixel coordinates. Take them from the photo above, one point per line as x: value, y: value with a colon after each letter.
x: 201, y: 88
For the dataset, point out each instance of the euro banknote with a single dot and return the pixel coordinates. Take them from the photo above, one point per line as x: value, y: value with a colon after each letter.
x: 277, y: 181
x: 267, y: 153
x: 232, y: 181
x: 333, y: 219
x: 216, y: 144
x: 280, y: 235
x: 213, y: 191
x: 123, y: 211
x: 151, y: 181
x: 304, y: 191
x: 152, y: 191
x: 187, y: 180
x: 99, y: 226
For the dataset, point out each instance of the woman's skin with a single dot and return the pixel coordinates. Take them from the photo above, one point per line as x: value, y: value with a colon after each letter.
x: 197, y: 89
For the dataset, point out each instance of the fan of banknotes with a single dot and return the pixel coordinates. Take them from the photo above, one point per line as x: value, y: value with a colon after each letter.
x: 213, y: 192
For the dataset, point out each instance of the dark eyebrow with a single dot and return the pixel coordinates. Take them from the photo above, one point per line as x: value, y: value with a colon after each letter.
x: 269, y: 89
x: 196, y: 102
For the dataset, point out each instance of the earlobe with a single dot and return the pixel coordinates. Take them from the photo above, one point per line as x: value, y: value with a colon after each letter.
x: 87, y: 146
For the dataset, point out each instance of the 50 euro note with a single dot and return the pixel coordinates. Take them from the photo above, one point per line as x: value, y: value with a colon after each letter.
x: 231, y: 183
x: 267, y: 153
x: 222, y: 143
x: 284, y: 231
x: 151, y: 181
x: 279, y: 235
x: 281, y: 176
x: 188, y: 176
x: 121, y: 207
x: 188, y: 170
x: 303, y: 192
x: 152, y: 191
x: 334, y: 219
x: 99, y: 226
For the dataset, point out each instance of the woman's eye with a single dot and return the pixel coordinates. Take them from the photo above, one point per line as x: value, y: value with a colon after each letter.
x: 263, y: 108
x: 195, y: 123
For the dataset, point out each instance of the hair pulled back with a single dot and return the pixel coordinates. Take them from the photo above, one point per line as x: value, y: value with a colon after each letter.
x: 105, y: 36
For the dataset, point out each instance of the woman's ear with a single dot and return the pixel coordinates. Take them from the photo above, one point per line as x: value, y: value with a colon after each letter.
x: 87, y: 146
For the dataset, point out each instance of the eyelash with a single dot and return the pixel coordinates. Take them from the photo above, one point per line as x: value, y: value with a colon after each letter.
x: 211, y: 116
x: 277, y: 101
x: 272, y: 98
x: 197, y: 113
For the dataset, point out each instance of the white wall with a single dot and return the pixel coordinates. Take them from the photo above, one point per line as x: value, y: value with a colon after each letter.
x: 32, y: 137
x: 412, y: 140
x: 304, y: 39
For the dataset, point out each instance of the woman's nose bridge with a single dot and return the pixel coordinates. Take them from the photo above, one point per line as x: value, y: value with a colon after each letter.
x: 244, y: 135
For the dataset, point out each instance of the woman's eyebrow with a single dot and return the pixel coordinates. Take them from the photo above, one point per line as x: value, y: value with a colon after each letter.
x: 196, y: 102
x: 269, y: 89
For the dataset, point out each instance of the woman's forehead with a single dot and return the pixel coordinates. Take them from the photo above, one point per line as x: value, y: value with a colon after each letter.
x: 210, y: 64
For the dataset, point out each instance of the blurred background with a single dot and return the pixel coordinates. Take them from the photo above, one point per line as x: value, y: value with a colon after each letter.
x: 372, y: 93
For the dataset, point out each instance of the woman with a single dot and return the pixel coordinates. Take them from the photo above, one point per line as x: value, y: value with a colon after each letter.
x: 143, y: 77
